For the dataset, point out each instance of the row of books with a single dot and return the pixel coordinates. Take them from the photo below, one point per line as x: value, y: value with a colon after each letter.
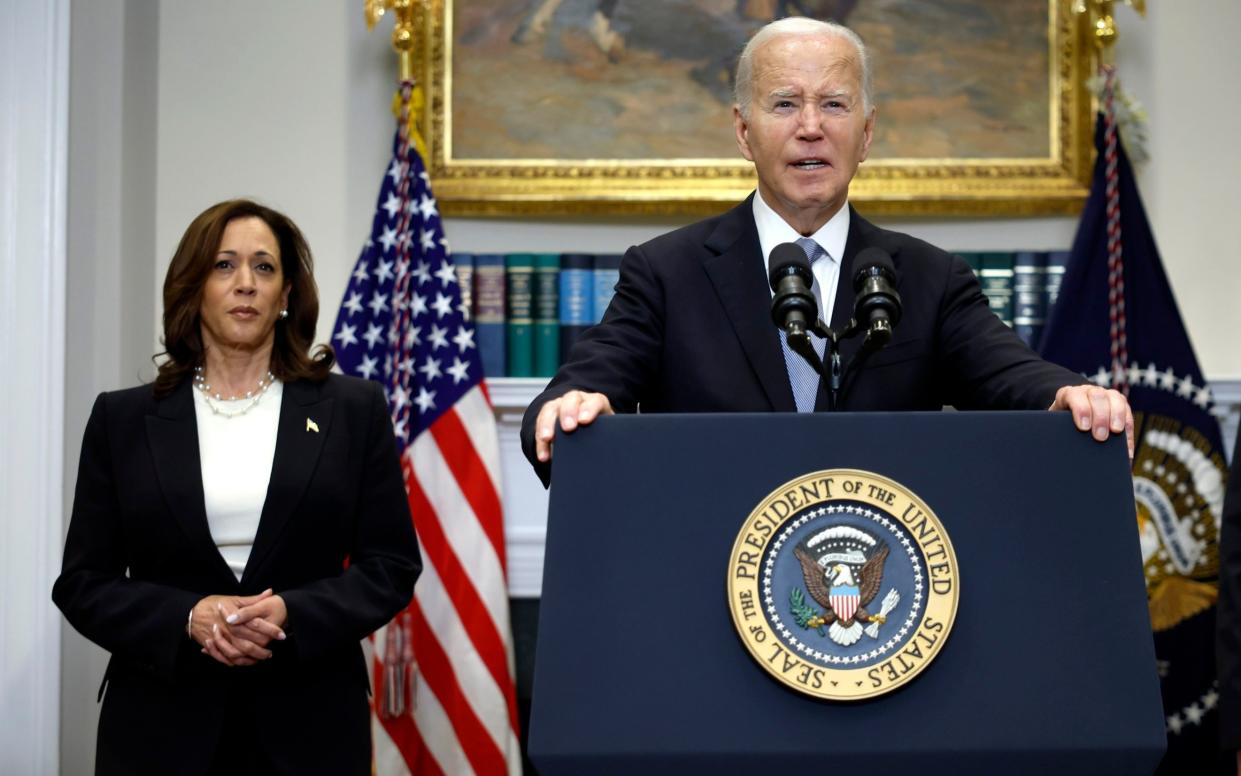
x: 1021, y: 287
x: 528, y: 308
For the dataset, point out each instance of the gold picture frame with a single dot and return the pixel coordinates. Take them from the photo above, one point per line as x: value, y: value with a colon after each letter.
x: 1052, y: 180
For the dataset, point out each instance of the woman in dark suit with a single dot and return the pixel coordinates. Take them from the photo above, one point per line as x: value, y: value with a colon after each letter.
x: 239, y: 526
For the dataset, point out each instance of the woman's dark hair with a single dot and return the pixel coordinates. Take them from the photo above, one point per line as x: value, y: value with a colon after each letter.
x: 183, y: 290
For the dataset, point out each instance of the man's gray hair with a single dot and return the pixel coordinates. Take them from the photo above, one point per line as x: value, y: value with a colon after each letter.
x: 743, y: 90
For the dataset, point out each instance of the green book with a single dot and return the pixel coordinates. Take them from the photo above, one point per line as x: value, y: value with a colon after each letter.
x: 973, y: 259
x: 519, y: 298
x: 546, y: 314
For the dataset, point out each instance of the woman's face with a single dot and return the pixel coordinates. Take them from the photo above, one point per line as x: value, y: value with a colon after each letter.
x: 246, y: 289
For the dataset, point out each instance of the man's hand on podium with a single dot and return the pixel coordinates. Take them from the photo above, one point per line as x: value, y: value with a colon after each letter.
x: 575, y: 408
x: 1102, y: 411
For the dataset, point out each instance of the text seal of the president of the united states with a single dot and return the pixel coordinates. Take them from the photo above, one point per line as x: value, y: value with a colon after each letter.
x: 843, y: 584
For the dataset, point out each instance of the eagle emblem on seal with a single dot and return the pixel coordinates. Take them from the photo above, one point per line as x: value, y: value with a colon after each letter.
x: 842, y: 567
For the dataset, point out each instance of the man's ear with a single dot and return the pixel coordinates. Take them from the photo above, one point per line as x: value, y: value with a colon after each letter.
x: 868, y: 135
x: 742, y: 128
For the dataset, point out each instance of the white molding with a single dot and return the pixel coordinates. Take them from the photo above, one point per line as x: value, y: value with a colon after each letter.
x: 514, y: 393
x: 524, y: 545
x: 523, y: 496
x: 34, y: 98
x: 1227, y: 394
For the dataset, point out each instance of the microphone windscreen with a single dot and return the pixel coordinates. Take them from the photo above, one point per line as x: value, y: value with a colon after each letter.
x: 786, y: 259
x: 870, y: 259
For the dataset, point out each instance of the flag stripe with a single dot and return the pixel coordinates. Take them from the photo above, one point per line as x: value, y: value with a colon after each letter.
x: 397, y: 738
x: 463, y: 532
x: 434, y: 667
x: 481, y: 686
x: 437, y: 733
x: 472, y: 477
x: 481, y: 628
x: 444, y: 752
x: 478, y: 418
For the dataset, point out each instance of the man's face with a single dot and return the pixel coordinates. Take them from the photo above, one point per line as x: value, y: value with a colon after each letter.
x: 807, y: 128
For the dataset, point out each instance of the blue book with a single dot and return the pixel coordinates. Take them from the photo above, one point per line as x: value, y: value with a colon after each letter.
x: 489, y: 293
x: 1056, y: 262
x: 607, y: 272
x: 1053, y: 273
x: 577, y: 302
x: 1029, y: 296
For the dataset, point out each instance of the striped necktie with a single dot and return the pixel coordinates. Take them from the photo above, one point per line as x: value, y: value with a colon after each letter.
x: 802, y: 377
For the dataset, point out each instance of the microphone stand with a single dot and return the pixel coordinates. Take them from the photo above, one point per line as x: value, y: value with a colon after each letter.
x: 830, y: 367
x: 879, y: 307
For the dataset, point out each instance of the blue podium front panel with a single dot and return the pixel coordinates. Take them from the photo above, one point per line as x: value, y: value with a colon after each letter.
x: 639, y: 668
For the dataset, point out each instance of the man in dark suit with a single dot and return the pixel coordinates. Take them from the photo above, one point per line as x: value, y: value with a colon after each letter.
x: 689, y: 328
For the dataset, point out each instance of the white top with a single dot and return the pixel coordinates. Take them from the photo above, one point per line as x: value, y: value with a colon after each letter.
x: 774, y: 230
x: 237, y: 455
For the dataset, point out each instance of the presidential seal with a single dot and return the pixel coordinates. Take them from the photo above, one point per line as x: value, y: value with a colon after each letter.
x: 843, y: 584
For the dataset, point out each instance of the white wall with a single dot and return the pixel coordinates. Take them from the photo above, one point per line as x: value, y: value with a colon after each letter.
x: 185, y: 103
x: 1182, y: 63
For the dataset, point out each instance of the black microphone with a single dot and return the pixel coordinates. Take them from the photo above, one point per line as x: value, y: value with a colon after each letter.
x: 793, y: 308
x: 878, y: 306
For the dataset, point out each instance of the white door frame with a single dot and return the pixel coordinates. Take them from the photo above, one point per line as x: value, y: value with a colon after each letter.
x: 34, y: 104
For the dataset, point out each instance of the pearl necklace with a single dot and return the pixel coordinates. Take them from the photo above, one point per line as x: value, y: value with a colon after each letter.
x: 255, y: 396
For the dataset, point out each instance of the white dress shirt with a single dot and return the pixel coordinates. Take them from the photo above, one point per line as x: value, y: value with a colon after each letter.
x: 774, y: 230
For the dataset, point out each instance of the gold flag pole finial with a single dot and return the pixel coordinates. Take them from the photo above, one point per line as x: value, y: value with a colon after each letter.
x: 402, y: 33
x: 1121, y: 110
x: 1103, y: 24
x: 407, y: 104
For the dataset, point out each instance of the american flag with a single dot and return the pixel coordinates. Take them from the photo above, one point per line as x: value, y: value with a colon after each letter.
x: 444, y: 697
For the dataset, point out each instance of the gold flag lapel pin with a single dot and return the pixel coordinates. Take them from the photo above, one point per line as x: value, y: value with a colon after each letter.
x: 312, y: 426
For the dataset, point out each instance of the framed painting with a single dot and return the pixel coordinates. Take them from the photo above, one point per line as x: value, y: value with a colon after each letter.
x: 625, y: 107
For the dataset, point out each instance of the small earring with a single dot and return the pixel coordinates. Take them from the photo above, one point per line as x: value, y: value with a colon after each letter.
x: 284, y: 313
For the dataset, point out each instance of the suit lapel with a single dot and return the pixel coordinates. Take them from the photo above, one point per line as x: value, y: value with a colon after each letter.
x: 735, y: 266
x: 842, y: 307
x: 172, y: 434
x: 305, y: 421
x: 862, y: 235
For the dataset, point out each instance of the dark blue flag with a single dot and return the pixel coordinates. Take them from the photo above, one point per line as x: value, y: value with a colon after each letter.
x: 1116, y: 322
